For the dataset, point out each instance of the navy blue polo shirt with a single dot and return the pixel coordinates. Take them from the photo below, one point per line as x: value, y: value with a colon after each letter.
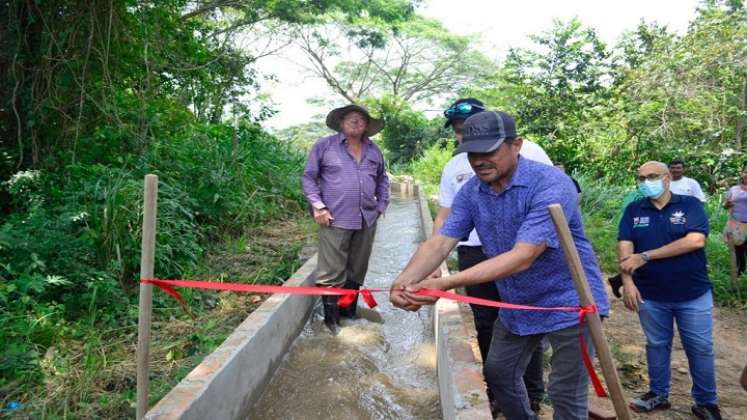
x: 675, y: 279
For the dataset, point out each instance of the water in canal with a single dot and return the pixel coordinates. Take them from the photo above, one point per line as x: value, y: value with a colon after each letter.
x: 380, y: 366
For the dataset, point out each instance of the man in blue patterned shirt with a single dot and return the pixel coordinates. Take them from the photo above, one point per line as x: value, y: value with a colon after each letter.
x: 507, y: 204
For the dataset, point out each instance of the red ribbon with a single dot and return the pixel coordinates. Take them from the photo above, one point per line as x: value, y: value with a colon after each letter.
x: 347, y: 297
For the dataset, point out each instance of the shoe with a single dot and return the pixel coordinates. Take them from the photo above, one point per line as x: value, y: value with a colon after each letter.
x: 707, y: 412
x: 331, y: 314
x: 349, y: 312
x: 649, y: 402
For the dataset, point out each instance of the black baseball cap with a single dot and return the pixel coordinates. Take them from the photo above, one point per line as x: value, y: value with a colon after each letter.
x: 486, y: 131
x: 458, y: 112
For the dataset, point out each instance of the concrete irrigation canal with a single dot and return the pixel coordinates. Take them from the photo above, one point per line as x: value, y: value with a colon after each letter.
x: 281, y: 363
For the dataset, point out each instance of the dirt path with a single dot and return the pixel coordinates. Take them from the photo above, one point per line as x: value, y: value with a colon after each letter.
x: 628, y: 346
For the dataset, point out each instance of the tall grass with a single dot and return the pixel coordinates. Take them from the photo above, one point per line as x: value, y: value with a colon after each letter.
x: 70, y: 250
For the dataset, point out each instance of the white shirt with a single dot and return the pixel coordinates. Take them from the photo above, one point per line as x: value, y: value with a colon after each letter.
x: 458, y: 171
x: 687, y: 186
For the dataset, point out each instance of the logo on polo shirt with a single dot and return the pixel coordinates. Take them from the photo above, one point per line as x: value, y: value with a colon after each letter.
x: 678, y: 218
x: 641, y: 222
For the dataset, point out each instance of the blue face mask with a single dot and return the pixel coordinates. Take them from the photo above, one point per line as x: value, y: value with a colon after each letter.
x: 651, y: 189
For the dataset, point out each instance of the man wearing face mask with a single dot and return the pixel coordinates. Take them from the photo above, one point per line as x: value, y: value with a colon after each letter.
x: 663, y: 265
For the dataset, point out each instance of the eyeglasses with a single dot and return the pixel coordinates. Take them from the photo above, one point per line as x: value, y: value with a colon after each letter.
x: 649, y: 177
x: 462, y: 108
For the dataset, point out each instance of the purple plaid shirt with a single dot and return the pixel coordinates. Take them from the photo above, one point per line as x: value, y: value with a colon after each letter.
x: 353, y: 192
x: 519, y: 214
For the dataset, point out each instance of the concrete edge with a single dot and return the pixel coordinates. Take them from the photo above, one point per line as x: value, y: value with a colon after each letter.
x: 460, y: 379
x: 244, y: 363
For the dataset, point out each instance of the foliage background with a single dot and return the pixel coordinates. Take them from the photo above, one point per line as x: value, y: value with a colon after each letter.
x: 94, y: 95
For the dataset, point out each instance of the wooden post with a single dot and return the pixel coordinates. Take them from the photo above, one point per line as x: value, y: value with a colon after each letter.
x: 593, y: 320
x: 147, y: 257
x: 733, y: 264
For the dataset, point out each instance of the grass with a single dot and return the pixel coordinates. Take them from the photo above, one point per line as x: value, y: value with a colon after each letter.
x: 93, y: 376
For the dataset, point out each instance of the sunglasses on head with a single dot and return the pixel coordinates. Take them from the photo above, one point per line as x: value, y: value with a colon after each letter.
x: 462, y: 108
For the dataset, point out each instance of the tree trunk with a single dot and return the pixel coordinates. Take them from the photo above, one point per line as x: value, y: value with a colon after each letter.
x: 741, y: 119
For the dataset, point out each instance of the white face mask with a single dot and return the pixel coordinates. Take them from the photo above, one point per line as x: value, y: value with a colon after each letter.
x: 651, y: 189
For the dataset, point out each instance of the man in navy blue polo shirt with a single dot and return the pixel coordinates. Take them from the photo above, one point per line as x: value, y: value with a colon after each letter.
x: 507, y: 203
x: 663, y: 265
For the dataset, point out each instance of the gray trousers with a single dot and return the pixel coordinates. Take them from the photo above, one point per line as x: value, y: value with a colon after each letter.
x: 508, y: 359
x: 343, y: 255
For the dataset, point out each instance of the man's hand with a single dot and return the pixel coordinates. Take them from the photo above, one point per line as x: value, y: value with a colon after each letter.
x: 431, y: 283
x: 631, y: 263
x: 323, y: 217
x: 728, y: 204
x: 398, y: 299
x: 631, y: 296
x: 435, y: 274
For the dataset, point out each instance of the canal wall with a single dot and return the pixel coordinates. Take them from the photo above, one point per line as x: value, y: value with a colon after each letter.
x: 232, y: 378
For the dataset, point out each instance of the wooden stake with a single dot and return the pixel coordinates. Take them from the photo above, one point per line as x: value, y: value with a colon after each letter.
x: 147, y: 257
x: 593, y: 321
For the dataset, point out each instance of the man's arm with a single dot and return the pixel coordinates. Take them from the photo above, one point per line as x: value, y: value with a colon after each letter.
x: 631, y: 295
x: 310, y: 178
x: 438, y: 222
x: 689, y: 243
x: 428, y: 256
x: 382, y: 186
x: 518, y: 259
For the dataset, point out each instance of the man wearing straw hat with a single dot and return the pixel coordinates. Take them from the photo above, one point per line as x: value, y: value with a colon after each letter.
x: 347, y: 188
x: 507, y: 203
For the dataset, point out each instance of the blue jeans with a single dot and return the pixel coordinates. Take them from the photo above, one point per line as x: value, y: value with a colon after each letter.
x: 509, y: 357
x: 695, y: 324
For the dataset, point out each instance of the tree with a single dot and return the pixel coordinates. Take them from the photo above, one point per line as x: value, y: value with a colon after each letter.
x: 414, y: 60
x: 556, y: 85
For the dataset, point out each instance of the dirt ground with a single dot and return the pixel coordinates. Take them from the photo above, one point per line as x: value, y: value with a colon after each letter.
x: 627, y: 344
x: 628, y: 347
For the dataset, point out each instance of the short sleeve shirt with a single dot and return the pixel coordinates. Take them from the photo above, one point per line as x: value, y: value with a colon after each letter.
x: 687, y: 186
x: 458, y: 171
x: 675, y: 279
x: 519, y: 213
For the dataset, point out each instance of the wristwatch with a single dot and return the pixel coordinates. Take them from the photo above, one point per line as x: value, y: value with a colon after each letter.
x: 645, y: 256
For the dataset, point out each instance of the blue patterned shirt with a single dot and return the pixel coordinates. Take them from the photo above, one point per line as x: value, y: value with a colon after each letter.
x: 519, y: 214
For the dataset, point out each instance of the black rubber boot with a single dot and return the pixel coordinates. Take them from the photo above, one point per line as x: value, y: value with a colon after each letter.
x: 331, y: 313
x: 349, y: 312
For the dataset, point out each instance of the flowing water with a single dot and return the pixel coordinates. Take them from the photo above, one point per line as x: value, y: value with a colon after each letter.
x: 381, y: 365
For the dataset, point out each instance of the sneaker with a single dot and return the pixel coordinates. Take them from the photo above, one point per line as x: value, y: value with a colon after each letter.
x: 707, y: 412
x: 649, y: 402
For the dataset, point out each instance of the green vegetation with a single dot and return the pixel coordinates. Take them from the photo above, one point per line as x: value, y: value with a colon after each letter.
x: 94, y: 98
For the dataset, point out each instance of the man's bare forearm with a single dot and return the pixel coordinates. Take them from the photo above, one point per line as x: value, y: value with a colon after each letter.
x: 691, y: 242
x: 624, y: 250
x: 518, y: 259
x: 426, y: 259
x: 438, y: 222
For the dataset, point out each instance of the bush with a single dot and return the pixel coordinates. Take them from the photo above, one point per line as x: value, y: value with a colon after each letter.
x: 70, y: 248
